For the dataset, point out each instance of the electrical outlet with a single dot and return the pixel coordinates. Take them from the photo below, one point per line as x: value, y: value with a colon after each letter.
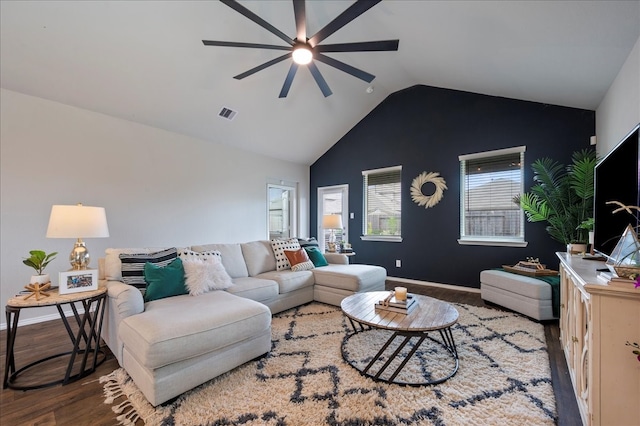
x: 398, y: 263
x: 351, y: 216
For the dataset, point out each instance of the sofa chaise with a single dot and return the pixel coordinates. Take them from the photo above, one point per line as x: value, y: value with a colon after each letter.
x: 174, y: 344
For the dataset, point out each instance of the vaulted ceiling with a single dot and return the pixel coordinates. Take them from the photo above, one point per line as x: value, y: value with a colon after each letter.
x: 144, y: 61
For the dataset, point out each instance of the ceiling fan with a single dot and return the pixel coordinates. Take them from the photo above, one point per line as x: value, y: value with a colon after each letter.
x: 305, y: 50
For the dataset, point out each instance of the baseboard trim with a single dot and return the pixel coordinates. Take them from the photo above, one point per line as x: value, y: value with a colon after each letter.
x: 432, y: 284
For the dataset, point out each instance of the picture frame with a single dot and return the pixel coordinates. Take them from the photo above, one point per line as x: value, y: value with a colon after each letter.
x: 75, y: 281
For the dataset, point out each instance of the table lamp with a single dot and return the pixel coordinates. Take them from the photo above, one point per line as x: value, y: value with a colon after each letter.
x: 332, y: 222
x: 78, y: 222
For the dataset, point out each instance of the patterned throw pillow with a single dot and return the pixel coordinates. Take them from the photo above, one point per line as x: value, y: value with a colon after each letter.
x: 299, y: 260
x: 186, y: 254
x: 133, y: 265
x: 279, y: 246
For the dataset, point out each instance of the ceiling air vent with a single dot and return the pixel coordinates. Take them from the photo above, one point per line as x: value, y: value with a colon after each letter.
x: 227, y: 113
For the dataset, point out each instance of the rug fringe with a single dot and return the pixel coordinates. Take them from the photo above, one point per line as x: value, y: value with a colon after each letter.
x: 113, y: 389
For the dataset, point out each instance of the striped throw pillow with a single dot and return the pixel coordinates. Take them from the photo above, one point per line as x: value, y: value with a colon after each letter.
x: 133, y: 265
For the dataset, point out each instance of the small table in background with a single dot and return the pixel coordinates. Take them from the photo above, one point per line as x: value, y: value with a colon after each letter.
x: 86, y: 342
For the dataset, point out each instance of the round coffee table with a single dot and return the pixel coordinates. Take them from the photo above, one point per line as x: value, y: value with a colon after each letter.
x: 429, y: 315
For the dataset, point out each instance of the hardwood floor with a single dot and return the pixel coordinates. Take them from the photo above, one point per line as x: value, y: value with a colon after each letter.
x: 82, y: 402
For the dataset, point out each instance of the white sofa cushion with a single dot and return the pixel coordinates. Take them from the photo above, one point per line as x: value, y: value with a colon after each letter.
x: 354, y: 277
x: 289, y: 280
x: 183, y: 327
x: 254, y: 288
x: 232, y: 258
x: 259, y: 257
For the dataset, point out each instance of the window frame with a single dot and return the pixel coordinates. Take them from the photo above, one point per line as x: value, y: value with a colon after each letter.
x: 365, y: 202
x: 516, y: 241
x: 292, y: 208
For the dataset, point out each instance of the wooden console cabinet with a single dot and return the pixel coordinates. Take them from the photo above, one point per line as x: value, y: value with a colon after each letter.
x: 596, y: 320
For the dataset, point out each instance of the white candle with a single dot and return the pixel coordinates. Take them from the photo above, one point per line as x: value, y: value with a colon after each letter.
x: 401, y: 293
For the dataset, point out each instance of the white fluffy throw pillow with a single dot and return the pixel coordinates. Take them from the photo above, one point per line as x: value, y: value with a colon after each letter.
x: 196, y: 275
x: 202, y: 275
x: 220, y: 277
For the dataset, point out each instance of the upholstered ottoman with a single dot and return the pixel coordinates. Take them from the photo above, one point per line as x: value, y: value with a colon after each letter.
x: 526, y: 295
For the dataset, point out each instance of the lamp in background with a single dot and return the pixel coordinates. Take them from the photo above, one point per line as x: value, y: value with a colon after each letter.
x: 332, y: 222
x: 78, y: 222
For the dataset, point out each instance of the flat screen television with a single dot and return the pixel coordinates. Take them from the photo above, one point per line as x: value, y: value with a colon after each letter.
x: 617, y: 178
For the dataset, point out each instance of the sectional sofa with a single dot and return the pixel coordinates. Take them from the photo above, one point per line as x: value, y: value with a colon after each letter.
x: 173, y: 344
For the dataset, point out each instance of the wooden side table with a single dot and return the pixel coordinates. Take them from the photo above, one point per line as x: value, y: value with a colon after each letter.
x: 85, y: 343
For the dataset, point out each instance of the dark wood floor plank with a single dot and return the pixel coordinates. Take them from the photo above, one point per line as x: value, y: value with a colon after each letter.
x: 82, y: 402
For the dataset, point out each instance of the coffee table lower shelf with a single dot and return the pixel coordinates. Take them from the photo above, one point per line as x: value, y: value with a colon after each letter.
x: 412, y: 335
x: 447, y: 343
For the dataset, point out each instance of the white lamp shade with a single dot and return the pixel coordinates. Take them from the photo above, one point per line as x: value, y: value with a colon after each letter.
x: 77, y: 222
x: 332, y: 221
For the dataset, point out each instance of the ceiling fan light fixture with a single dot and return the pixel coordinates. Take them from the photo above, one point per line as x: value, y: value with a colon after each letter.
x: 302, y: 54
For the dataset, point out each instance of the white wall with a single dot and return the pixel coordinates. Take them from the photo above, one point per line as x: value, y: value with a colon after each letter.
x: 619, y: 110
x: 158, y: 188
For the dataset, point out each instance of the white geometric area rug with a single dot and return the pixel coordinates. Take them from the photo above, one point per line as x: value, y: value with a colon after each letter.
x: 503, y: 379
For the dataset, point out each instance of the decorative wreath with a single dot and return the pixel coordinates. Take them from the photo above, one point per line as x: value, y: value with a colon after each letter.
x: 418, y: 196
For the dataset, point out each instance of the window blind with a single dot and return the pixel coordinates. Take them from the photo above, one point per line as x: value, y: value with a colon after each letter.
x: 490, y: 183
x: 382, y: 190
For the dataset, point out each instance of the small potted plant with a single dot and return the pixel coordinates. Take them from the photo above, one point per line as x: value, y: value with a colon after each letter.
x: 588, y: 226
x: 38, y: 261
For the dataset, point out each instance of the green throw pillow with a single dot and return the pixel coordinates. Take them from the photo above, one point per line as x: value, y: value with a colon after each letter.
x: 316, y: 256
x: 164, y: 281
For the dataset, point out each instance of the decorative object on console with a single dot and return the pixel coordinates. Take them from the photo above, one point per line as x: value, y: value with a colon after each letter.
x: 562, y: 196
x: 635, y: 351
x: 332, y: 222
x: 419, y: 197
x: 625, y: 257
x: 78, y: 222
x: 77, y: 281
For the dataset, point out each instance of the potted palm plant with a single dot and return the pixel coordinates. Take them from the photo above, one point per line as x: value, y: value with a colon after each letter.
x: 39, y: 260
x: 562, y: 196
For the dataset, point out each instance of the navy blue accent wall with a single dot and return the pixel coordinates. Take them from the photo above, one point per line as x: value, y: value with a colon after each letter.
x: 425, y: 128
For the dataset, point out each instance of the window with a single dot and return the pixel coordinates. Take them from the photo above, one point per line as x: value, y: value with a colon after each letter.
x: 489, y: 182
x: 382, y: 208
x: 282, y: 213
x: 333, y: 200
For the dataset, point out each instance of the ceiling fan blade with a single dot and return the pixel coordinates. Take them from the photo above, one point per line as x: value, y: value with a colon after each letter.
x: 261, y: 67
x: 363, y: 46
x: 362, y: 75
x: 287, y: 81
x: 322, y: 84
x: 352, y: 12
x: 241, y: 44
x: 258, y: 20
x: 301, y: 20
